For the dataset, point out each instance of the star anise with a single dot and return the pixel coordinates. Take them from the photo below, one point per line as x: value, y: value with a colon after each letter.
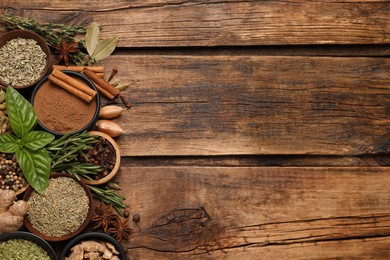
x: 120, y: 229
x: 66, y: 51
x: 104, y: 216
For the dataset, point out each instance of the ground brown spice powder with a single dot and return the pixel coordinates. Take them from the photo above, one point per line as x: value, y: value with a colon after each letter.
x: 60, y: 111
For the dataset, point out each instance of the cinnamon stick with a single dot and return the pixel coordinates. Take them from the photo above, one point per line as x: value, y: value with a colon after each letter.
x: 101, y: 83
x: 97, y: 69
x: 73, y: 82
x: 104, y: 92
x: 71, y: 89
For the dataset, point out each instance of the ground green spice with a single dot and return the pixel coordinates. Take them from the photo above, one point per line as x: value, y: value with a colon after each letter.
x: 61, y: 210
x: 20, y: 249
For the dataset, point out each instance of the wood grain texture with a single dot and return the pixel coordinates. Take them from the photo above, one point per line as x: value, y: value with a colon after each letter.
x: 230, y: 105
x: 212, y: 212
x: 222, y: 23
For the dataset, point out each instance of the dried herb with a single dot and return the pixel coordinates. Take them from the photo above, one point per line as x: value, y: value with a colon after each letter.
x: 66, y: 152
x: 28, y: 145
x: 105, y: 48
x: 108, y: 195
x: 66, y: 51
x: 52, y: 32
x: 20, y: 249
x: 92, y: 38
x: 61, y: 209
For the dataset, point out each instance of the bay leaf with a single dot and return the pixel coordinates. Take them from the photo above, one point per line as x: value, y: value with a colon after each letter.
x: 105, y: 48
x: 92, y: 38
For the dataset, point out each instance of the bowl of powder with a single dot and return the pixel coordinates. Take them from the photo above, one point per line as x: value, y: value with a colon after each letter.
x: 24, y: 59
x: 60, y: 112
x: 62, y: 211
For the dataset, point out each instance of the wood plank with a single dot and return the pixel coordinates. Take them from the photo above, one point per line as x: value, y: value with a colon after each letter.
x: 368, y: 249
x: 255, y: 211
x: 227, y: 23
x: 230, y: 105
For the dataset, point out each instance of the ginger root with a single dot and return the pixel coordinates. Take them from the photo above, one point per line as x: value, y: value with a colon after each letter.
x: 11, y: 213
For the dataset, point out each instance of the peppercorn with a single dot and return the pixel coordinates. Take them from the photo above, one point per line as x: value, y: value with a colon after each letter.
x: 136, y: 217
x: 11, y: 176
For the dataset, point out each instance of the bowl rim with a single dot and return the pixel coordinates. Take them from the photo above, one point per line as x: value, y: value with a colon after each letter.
x: 33, y: 238
x: 27, y: 223
x: 97, y: 98
x: 115, y: 170
x: 41, y: 42
x: 93, y: 236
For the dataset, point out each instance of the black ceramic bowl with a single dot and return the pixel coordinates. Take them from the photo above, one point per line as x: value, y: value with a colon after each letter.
x: 85, y: 80
x: 31, y: 237
x: 93, y: 236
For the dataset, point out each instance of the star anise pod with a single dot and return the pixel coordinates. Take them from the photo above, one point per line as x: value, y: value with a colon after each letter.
x: 120, y: 229
x: 104, y: 217
x: 66, y: 51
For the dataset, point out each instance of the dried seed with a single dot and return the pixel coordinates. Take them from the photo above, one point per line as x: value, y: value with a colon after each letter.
x: 109, y: 127
x: 111, y: 112
x: 3, y: 106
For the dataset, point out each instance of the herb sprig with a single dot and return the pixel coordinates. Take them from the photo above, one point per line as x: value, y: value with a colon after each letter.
x: 28, y: 145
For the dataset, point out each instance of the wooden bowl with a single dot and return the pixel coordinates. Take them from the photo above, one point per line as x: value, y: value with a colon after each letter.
x: 20, y: 191
x: 90, y: 213
x: 28, y: 35
x: 117, y: 161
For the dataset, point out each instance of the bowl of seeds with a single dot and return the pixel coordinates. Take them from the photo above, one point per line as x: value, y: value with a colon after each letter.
x: 62, y: 211
x: 24, y: 59
x: 23, y: 245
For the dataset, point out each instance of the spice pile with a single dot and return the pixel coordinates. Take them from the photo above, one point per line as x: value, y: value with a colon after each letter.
x: 103, y: 155
x: 61, y: 210
x: 11, y: 176
x: 25, y: 250
x: 91, y: 249
x: 22, y: 61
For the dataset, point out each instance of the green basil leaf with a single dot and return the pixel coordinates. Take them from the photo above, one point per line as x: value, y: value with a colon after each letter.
x: 92, y: 38
x: 35, y: 167
x: 8, y: 143
x: 105, y: 48
x: 21, y: 113
x: 35, y: 140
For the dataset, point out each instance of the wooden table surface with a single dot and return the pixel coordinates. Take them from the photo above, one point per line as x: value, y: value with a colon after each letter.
x: 259, y: 129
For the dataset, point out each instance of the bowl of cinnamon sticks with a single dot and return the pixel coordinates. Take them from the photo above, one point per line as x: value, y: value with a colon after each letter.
x: 66, y: 102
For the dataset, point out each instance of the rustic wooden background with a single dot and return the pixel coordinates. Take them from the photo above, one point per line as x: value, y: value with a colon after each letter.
x: 259, y: 129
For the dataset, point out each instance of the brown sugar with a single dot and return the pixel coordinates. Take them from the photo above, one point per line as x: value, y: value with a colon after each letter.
x: 61, y: 111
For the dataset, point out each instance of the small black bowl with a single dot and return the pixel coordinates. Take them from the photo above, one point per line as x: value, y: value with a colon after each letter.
x: 93, y: 236
x: 31, y: 237
x: 90, y: 84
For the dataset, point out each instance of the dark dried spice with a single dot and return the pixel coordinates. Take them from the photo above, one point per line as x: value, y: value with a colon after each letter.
x: 102, y: 154
x: 66, y: 51
x: 104, y: 216
x: 120, y: 229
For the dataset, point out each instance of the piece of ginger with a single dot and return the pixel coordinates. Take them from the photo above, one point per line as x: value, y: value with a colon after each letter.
x: 11, y: 213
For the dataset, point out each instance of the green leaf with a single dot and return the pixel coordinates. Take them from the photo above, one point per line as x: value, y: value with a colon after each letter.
x: 35, y: 167
x: 35, y: 140
x: 105, y: 48
x: 21, y: 113
x: 92, y: 38
x: 8, y: 143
